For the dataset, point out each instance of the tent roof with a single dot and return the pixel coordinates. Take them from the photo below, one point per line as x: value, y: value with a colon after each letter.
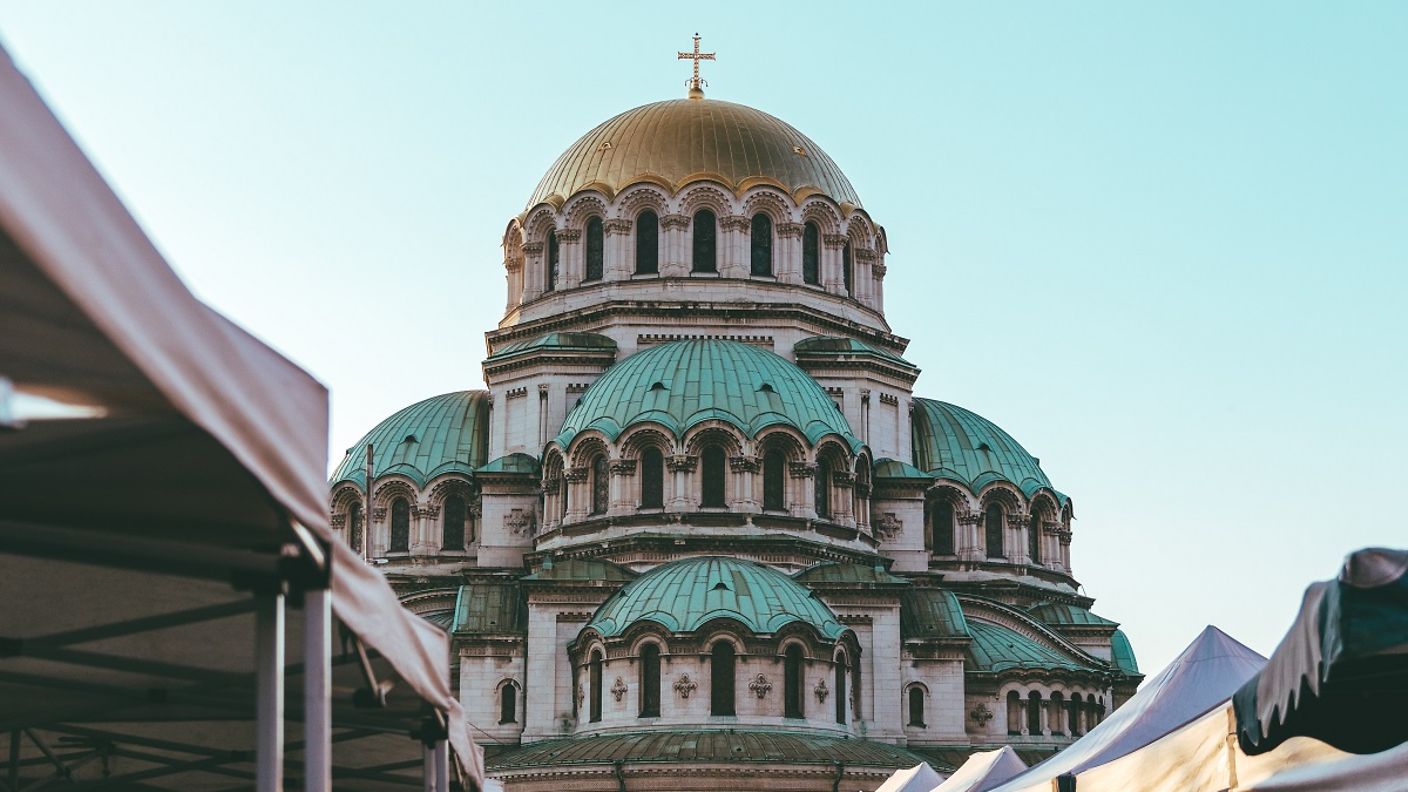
x: 920, y: 778
x: 984, y: 771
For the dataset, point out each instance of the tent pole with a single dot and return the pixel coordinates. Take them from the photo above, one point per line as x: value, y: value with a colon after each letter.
x: 317, y: 690
x: 442, y: 766
x: 269, y: 691
x: 427, y: 767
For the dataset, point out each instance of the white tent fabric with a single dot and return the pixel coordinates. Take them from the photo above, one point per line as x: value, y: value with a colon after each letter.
x: 984, y: 771
x: 920, y: 778
x: 90, y: 314
x: 1202, y: 677
x: 1204, y: 757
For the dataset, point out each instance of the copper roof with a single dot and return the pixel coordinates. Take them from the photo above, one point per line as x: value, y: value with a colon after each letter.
x: 679, y: 141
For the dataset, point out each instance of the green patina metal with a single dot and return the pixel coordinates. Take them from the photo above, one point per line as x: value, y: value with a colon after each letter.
x: 1122, y: 653
x: 683, y: 595
x: 513, y: 463
x: 489, y: 607
x: 895, y: 469
x: 1064, y: 615
x: 953, y: 443
x: 838, y: 345
x: 997, y: 648
x: 583, y: 569
x: 931, y: 613
x: 681, y: 384
x: 443, y: 434
x: 583, y: 342
x: 840, y: 572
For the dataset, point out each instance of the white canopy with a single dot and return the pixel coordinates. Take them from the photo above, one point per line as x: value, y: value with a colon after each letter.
x: 202, y: 458
x: 1201, y: 678
x: 920, y: 778
x: 984, y: 771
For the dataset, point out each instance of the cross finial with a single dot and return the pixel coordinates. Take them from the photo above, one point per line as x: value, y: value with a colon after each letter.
x: 696, y: 83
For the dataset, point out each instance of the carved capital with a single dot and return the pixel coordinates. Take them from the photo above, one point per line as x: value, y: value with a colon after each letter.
x: 569, y: 235
x: 735, y: 223
x: 426, y: 511
x: 865, y: 254
x: 834, y: 240
x: 623, y: 467
x: 576, y: 473
x: 533, y: 248
x: 681, y: 463
x: 789, y: 229
x: 802, y: 469
x: 878, y: 269
x: 674, y: 221
x: 513, y: 264
x: 617, y: 226
x: 969, y: 519
x: 842, y: 478
x: 743, y: 464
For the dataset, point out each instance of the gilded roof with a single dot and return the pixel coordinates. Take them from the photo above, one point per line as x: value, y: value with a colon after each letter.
x: 675, y: 142
x: 444, y: 433
x: 954, y: 443
x: 684, y: 595
x: 683, y: 383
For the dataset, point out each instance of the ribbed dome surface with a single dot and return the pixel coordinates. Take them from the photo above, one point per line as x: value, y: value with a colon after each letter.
x: 684, y: 595
x: 683, y: 383
x: 684, y: 140
x: 954, y: 443
x: 444, y: 433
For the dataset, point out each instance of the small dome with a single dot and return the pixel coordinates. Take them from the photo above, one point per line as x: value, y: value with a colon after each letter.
x: 684, y: 595
x: 444, y: 433
x: 954, y: 443
x: 683, y: 383
x: 676, y: 142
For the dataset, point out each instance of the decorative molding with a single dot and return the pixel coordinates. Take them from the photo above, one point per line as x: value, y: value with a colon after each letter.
x: 681, y: 463
x: 889, y: 398
x: 888, y: 526
x: 801, y: 469
x: 618, y: 226
x: 647, y: 339
x: 865, y: 254
x: 623, y: 467
x: 743, y: 464
x: 789, y: 229
x: 675, y: 221
x: 576, y: 473
x: 735, y: 223
x: 518, y: 521
x: 821, y: 691
x: 619, y: 689
x: 569, y: 235
x: 981, y: 714
x: 834, y: 240
x: 533, y: 248
x: 760, y: 686
x: 684, y: 686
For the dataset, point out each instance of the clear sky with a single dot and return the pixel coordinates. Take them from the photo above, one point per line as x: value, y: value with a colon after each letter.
x: 1164, y: 245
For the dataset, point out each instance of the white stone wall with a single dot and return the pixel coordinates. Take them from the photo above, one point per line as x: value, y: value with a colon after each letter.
x: 483, y: 673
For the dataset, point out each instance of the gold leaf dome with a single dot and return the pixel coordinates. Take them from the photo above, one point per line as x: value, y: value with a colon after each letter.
x: 675, y: 142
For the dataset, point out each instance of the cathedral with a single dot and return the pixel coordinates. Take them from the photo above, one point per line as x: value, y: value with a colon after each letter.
x: 700, y: 531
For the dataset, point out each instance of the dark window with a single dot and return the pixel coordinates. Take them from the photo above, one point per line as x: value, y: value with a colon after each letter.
x: 916, y: 706
x: 1034, y: 713
x: 452, y: 527
x: 647, y: 243
x: 992, y: 522
x: 596, y: 250
x: 811, y: 254
x: 652, y: 479
x: 601, y: 485
x: 792, y: 696
x: 400, y: 525
x: 508, y: 704
x: 761, y: 243
x: 943, y: 528
x: 562, y: 497
x: 650, y: 681
x: 841, y: 689
x: 774, y: 480
x: 1034, y: 539
x: 1057, y: 714
x: 712, y: 464
x: 354, y: 527
x: 1075, y: 705
x: 846, y: 274
x: 594, y: 677
x: 705, y: 249
x: 550, y: 263
x: 721, y: 679
x: 823, y: 489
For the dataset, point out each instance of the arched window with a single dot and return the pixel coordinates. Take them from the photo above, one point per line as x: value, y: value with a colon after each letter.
x: 650, y: 681
x: 652, y: 479
x: 847, y: 276
x: 916, y: 706
x: 792, y: 696
x: 1057, y: 715
x: 721, y: 662
x: 1034, y: 539
x: 841, y: 688
x: 1076, y: 706
x: 774, y: 480
x: 601, y: 484
x: 705, y: 249
x: 811, y: 254
x: 594, y: 679
x: 823, y: 489
x: 1034, y: 713
x: 992, y: 524
x: 453, y: 518
x: 1014, y: 713
x: 508, y: 703
x: 596, y: 250
x: 550, y: 263
x: 561, y: 497
x: 400, y: 525
x: 647, y: 243
x: 712, y: 473
x: 354, y: 526
x: 944, y: 525
x: 760, y: 239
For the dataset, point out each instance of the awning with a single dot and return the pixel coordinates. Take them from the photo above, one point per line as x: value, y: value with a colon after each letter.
x: 191, y: 455
x: 1340, y: 674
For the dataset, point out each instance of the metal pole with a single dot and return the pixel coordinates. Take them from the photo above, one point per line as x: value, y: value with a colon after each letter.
x: 317, y: 690
x: 427, y: 767
x: 442, y: 766
x: 367, y: 512
x: 269, y: 692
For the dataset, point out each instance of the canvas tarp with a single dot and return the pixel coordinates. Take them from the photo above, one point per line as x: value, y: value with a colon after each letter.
x: 920, y: 778
x: 1201, y: 678
x: 984, y: 771
x: 203, y: 453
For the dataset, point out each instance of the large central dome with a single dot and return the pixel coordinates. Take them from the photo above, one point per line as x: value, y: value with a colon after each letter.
x: 679, y: 141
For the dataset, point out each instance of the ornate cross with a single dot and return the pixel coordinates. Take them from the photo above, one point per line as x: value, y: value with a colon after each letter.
x: 619, y: 689
x: 696, y: 83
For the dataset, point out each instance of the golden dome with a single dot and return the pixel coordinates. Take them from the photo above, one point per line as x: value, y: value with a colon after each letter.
x: 679, y: 141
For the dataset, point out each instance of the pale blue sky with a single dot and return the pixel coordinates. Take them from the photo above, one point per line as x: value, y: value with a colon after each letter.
x: 1164, y: 246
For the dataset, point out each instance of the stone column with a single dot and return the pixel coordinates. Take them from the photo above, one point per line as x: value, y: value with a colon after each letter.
x: 803, y: 474
x: 744, y: 470
x: 513, y: 273
x: 878, y: 270
x: 623, y: 491
x: 571, y: 258
x: 832, y: 278
x: 681, y: 466
x: 1012, y: 542
x: 844, y: 482
x: 969, y: 548
x: 733, y: 247
x: 578, y: 498
x: 620, y: 249
x: 674, y: 263
x: 423, y: 541
x: 533, y: 271
x: 788, y: 256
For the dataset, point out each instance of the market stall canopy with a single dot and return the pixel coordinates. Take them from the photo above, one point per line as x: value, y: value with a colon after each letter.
x: 920, y: 778
x: 985, y: 770
x: 1341, y: 673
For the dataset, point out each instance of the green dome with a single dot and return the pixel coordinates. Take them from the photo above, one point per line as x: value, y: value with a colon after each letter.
x: 445, y: 433
x: 683, y: 383
x: 953, y: 443
x: 1122, y: 653
x: 682, y: 596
